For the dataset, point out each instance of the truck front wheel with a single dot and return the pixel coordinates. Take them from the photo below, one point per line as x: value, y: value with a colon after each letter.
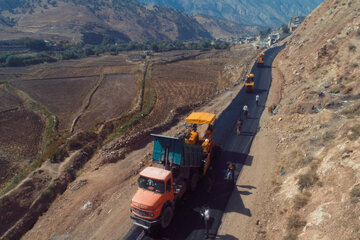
x: 166, y: 217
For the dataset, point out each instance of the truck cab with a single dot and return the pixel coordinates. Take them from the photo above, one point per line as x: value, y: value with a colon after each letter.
x: 154, y: 195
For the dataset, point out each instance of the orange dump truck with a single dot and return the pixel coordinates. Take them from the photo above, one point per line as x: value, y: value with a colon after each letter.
x: 183, y: 162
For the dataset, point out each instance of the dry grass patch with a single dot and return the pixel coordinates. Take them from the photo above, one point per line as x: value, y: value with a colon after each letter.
x: 351, y: 111
x: 336, y: 88
x: 301, y: 200
x: 308, y: 179
x: 328, y: 136
x: 290, y: 236
x: 294, y: 225
x: 347, y: 90
x: 353, y: 133
x: 355, y: 194
x: 352, y: 48
x: 297, y: 159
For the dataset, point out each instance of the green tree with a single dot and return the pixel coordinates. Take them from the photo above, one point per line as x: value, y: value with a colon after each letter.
x: 204, y: 45
x: 35, y: 44
x: 14, y: 61
x: 154, y: 47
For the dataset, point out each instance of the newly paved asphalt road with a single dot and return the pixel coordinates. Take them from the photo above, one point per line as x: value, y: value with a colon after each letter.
x: 213, y: 190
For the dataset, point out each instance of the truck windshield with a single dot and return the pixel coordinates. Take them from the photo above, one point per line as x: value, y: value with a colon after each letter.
x: 151, y: 184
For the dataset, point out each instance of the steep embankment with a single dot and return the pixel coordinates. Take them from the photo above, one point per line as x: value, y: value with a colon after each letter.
x: 316, y: 185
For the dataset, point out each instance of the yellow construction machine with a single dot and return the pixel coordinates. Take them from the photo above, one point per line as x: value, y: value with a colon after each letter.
x: 250, y: 83
x: 260, y: 60
x: 206, y: 142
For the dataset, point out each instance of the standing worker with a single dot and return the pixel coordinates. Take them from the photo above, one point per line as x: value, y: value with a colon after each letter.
x: 257, y: 99
x: 205, y: 213
x: 245, y: 108
x: 231, y: 173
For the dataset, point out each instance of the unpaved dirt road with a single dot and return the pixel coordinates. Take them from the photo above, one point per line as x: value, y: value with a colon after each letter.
x: 213, y: 189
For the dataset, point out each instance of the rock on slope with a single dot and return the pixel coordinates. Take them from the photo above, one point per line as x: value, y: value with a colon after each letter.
x: 316, y: 187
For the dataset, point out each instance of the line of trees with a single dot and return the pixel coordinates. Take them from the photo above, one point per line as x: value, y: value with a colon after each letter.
x: 39, y: 52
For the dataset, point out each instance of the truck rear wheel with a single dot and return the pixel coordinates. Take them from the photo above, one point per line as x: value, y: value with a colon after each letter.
x: 166, y: 217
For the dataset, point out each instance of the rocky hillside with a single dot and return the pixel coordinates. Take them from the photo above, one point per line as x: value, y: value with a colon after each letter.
x: 316, y: 189
x: 249, y: 12
x: 220, y: 28
x: 71, y: 19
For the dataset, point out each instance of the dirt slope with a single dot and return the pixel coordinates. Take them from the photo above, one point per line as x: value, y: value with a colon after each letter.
x: 314, y: 190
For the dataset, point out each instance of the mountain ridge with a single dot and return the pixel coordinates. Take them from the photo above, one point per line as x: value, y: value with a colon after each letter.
x: 265, y: 13
x: 129, y: 19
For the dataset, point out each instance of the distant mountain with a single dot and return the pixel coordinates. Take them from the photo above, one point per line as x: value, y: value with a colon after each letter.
x: 220, y: 28
x: 271, y: 13
x: 127, y: 20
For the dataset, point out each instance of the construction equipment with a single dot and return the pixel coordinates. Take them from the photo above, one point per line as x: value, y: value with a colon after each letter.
x: 260, y: 60
x: 250, y: 83
x: 183, y: 163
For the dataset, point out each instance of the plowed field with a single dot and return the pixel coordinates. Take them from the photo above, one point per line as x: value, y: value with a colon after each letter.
x: 114, y: 97
x: 20, y: 135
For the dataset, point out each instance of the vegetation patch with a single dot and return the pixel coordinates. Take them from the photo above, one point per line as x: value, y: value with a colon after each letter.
x: 15, y: 181
x: 351, y: 111
x: 48, y: 193
x: 354, y: 133
x: 296, y: 159
x: 308, y: 179
x: 336, y: 88
x: 37, y: 51
x: 290, y: 236
x: 352, y: 48
x: 59, y: 155
x: 294, y: 225
x: 347, y: 90
x: 328, y: 136
x: 301, y: 200
x: 355, y: 194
